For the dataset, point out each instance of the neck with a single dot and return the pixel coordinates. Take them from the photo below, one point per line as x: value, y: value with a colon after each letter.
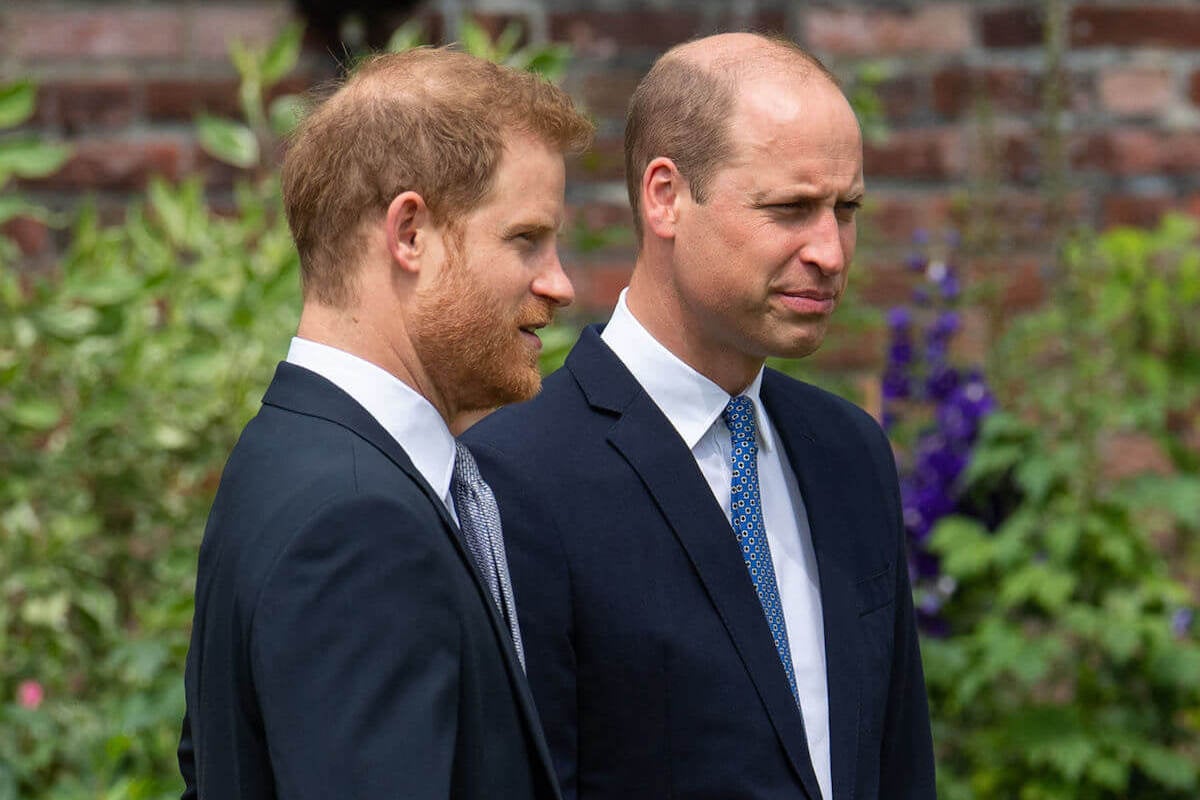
x: 659, y: 309
x: 356, y: 331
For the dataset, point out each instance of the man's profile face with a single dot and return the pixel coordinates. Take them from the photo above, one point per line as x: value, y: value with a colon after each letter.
x: 761, y: 264
x: 475, y: 326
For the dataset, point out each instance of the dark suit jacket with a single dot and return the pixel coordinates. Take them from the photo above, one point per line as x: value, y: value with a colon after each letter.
x: 343, y: 645
x: 650, y: 659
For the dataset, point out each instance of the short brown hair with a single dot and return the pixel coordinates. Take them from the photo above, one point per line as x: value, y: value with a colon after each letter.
x: 682, y: 108
x: 429, y: 120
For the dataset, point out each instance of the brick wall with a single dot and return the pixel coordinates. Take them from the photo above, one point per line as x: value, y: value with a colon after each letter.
x: 962, y: 90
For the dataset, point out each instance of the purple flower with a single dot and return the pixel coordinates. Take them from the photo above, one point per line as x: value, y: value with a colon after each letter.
x: 920, y: 237
x: 1181, y: 622
x: 900, y: 352
x: 916, y: 262
x: 896, y: 385
x: 949, y: 286
x: 898, y: 319
x: 941, y: 381
x: 945, y: 326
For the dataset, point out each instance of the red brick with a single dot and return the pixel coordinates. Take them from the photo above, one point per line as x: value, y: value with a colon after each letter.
x: 1195, y: 88
x: 96, y: 32
x: 31, y: 236
x: 762, y: 20
x: 1018, y: 277
x: 214, y: 27
x: 849, y: 348
x: 897, y: 215
x: 85, y: 105
x: 1006, y: 89
x: 902, y: 98
x: 601, y: 33
x: 1141, y: 26
x: 932, y: 28
x: 1140, y: 211
x: 1136, y: 151
x: 1012, y: 27
x: 120, y: 164
x: 1013, y: 219
x: 598, y: 284
x: 182, y: 98
x: 600, y: 215
x: 606, y: 93
x: 1135, y: 91
x: 604, y: 161
x: 929, y: 154
x: 884, y: 282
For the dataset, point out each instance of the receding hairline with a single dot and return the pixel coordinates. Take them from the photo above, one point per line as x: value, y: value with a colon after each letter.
x: 736, y: 57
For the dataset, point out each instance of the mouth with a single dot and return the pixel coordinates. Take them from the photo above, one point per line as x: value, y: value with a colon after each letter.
x: 809, y: 302
x: 530, y: 336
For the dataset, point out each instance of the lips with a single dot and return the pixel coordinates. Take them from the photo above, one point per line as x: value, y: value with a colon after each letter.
x: 809, y: 301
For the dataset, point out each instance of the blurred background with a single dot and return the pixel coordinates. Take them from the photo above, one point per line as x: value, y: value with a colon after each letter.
x: 1024, y: 320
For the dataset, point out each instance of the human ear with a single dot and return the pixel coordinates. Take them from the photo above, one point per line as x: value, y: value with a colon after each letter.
x: 662, y: 189
x: 408, y: 223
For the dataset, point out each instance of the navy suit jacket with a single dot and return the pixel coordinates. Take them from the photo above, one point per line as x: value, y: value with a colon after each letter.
x: 343, y: 644
x: 649, y: 655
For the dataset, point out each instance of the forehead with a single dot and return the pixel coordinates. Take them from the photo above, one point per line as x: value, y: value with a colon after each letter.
x: 529, y: 182
x: 795, y: 129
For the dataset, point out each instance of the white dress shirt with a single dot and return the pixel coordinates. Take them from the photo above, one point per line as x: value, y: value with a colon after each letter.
x: 694, y: 405
x: 411, y: 419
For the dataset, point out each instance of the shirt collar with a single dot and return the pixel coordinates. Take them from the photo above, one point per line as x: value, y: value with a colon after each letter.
x: 690, y: 401
x: 410, y: 419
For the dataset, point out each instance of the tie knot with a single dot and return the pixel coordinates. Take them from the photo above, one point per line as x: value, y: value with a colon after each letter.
x: 739, y: 415
x: 466, y: 471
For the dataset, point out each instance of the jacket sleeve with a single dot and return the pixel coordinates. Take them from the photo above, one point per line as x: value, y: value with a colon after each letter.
x: 187, y: 760
x: 542, y: 587
x: 355, y: 655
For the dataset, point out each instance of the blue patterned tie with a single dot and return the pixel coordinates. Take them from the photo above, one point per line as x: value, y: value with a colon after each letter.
x: 747, y: 520
x: 479, y: 521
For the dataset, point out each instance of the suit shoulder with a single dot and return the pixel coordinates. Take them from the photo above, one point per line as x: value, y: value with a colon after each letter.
x: 545, y: 418
x: 825, y: 406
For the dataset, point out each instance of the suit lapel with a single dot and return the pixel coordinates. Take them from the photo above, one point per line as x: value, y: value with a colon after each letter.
x: 645, y: 438
x: 305, y: 392
x: 829, y: 506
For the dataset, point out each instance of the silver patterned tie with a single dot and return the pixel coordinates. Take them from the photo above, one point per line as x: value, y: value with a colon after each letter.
x: 479, y: 520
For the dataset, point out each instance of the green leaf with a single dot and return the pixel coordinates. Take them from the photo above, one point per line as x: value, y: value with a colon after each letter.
x: 409, y: 35
x: 38, y: 415
x: 475, y: 39
x: 29, y: 157
x: 1174, y: 770
x: 964, y: 545
x: 228, y: 141
x: 285, y: 114
x: 68, y: 323
x: 17, y: 101
x: 550, y: 61
x: 282, y: 54
x: 12, y: 207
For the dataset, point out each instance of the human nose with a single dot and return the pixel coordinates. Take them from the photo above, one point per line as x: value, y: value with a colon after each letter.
x: 824, y: 247
x: 553, y: 284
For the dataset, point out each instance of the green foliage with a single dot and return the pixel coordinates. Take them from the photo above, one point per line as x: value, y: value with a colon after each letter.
x: 548, y: 59
x: 250, y: 143
x: 123, y: 384
x: 1072, y: 668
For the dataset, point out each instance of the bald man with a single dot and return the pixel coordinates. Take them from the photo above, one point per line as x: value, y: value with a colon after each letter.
x: 709, y: 555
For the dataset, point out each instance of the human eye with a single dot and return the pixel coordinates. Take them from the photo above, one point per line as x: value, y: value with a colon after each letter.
x: 846, y: 209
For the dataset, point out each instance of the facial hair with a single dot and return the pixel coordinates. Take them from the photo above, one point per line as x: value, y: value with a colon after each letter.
x: 470, y: 345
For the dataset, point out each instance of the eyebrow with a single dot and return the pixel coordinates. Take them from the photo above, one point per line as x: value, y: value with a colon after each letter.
x: 539, y: 228
x: 771, y: 196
